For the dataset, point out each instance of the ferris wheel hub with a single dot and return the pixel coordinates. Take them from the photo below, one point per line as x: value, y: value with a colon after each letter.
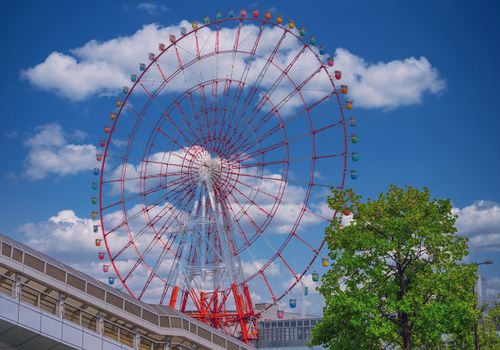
x: 202, y: 166
x: 209, y: 168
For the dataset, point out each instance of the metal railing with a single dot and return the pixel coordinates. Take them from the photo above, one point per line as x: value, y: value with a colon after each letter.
x: 98, y: 322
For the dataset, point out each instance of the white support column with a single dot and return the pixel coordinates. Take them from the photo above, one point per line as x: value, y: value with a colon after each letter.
x: 100, y: 323
x: 203, y: 236
x: 60, y: 305
x: 137, y: 339
x: 303, y: 300
x: 222, y: 234
x: 16, y: 291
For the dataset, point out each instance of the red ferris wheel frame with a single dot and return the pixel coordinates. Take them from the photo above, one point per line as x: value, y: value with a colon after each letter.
x: 211, y: 307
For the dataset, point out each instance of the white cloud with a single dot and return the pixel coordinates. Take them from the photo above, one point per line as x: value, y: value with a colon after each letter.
x: 250, y: 267
x: 72, y: 79
x: 104, y: 67
x: 152, y: 8
x: 50, y: 153
x: 480, y: 222
x: 306, y: 281
x: 492, y: 288
x: 64, y: 232
x: 388, y: 85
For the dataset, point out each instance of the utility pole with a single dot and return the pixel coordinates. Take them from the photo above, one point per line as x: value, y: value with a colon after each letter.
x: 476, y: 338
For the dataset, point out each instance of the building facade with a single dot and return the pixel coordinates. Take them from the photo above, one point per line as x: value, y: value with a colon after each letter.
x: 289, y: 331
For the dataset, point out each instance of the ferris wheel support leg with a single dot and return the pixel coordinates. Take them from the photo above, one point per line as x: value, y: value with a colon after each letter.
x: 222, y: 235
x: 185, y: 295
x: 239, y: 309
x: 173, y: 297
x: 203, y: 236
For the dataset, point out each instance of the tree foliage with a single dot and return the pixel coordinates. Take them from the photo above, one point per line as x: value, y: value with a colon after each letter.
x: 396, y: 279
x: 487, y: 330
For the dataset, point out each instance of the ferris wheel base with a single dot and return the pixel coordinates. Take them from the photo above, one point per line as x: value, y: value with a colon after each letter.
x: 211, y: 309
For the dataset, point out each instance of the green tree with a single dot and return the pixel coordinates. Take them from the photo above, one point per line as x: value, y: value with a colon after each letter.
x: 488, y: 338
x: 395, y: 280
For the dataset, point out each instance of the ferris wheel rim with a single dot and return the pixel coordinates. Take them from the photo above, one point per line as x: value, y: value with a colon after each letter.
x: 275, y: 256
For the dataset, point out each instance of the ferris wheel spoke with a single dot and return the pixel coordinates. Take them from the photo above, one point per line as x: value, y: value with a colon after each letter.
x: 166, y: 165
x: 219, y: 99
x: 153, y: 271
x: 245, y: 71
x: 214, y: 107
x: 203, y: 110
x: 332, y: 155
x: 164, y: 229
x: 222, y: 124
x: 253, y: 90
x: 305, y: 208
x: 171, y: 121
x: 321, y: 100
x: 123, y: 249
x: 257, y: 40
x: 157, y: 188
x: 131, y: 241
x: 132, y: 270
x: 268, y: 163
x: 261, y: 151
x: 307, y: 184
x: 284, y: 74
x: 155, y: 203
x: 151, y: 95
x: 235, y: 47
x: 160, y: 71
x: 278, y: 106
x: 205, y: 40
x: 178, y: 45
x: 308, y: 134
x: 245, y: 213
x: 266, y: 283
x: 129, y: 218
x: 194, y: 112
x: 196, y: 32
x: 188, y: 124
x: 270, y: 132
x: 288, y: 267
x: 304, y: 242
x: 250, y: 200
x: 167, y: 116
x: 258, y: 189
x: 261, y: 177
x: 172, y: 140
x: 179, y: 62
x: 172, y: 274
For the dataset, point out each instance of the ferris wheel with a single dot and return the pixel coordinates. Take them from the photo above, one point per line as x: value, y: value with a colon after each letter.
x: 215, y: 168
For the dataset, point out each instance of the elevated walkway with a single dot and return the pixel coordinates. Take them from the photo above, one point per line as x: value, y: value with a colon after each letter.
x: 45, y: 304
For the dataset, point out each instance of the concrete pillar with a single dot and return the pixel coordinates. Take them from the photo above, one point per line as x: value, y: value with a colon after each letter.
x: 168, y: 344
x: 16, y: 291
x: 100, y: 323
x: 137, y: 339
x: 60, y: 305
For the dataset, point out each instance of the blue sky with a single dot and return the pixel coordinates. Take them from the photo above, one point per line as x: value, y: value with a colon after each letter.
x: 444, y: 138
